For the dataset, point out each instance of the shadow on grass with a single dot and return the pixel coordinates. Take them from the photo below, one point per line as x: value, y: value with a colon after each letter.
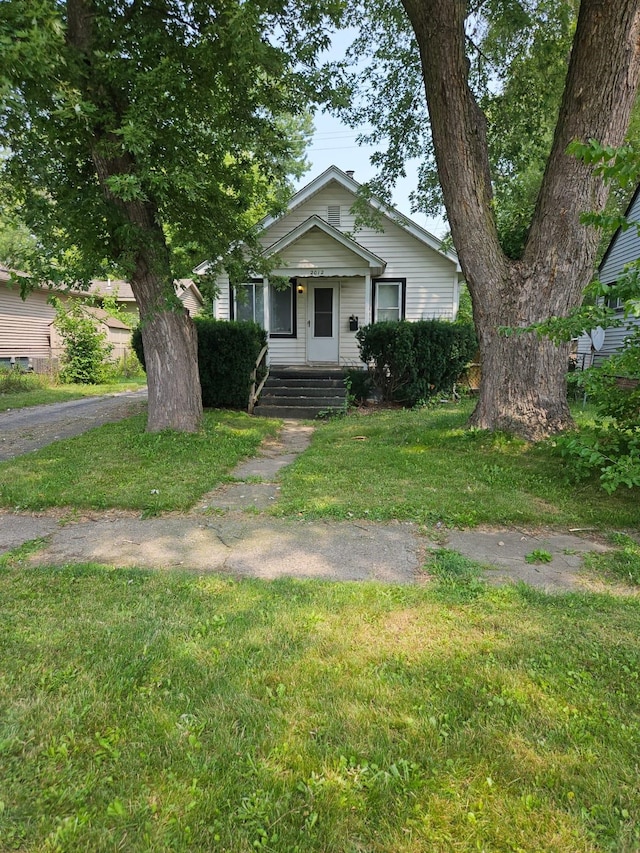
x: 202, y: 713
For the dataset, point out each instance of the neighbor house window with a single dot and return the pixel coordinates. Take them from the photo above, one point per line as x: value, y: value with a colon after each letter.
x: 248, y: 302
x: 614, y: 302
x: 282, y: 310
x: 388, y: 299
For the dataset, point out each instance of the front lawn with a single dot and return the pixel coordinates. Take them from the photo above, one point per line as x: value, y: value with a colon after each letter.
x: 165, y: 712
x: 423, y: 465
x: 121, y: 465
x: 32, y: 389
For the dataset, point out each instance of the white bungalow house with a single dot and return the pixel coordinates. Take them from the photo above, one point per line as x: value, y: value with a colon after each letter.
x: 623, y: 249
x: 340, y: 277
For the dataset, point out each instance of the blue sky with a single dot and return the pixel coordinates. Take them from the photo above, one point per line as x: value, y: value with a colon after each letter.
x: 334, y: 144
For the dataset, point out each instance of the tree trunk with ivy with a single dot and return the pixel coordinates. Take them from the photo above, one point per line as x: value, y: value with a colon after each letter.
x: 523, y: 385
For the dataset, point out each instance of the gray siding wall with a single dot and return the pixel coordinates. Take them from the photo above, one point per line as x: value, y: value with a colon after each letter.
x: 625, y: 248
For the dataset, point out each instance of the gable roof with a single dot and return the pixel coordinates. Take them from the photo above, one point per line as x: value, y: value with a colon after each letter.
x: 315, y: 222
x: 333, y: 174
x: 624, y: 241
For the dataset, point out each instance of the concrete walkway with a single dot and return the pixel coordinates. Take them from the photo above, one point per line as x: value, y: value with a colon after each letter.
x: 228, y: 532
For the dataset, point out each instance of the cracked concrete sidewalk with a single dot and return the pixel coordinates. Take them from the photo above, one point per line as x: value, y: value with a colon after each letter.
x: 227, y: 532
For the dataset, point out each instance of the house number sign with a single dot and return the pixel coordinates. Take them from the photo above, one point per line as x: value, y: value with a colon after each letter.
x: 316, y: 272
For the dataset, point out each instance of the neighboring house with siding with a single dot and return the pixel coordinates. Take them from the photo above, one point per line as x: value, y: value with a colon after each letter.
x: 26, y: 335
x: 623, y: 249
x: 339, y: 276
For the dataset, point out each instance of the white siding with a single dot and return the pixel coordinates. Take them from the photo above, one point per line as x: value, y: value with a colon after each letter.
x: 351, y: 302
x: 221, y: 308
x: 318, y: 205
x: 317, y: 249
x: 431, y: 278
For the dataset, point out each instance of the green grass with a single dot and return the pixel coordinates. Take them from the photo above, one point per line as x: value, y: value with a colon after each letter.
x: 621, y: 564
x: 424, y: 466
x: 37, y: 391
x: 120, y: 465
x: 165, y: 712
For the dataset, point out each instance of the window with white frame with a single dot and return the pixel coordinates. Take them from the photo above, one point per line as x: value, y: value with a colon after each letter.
x: 282, y: 313
x: 248, y: 301
x: 388, y: 299
x: 614, y: 302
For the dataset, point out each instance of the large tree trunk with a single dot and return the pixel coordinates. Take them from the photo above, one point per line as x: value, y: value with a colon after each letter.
x: 170, y: 352
x: 168, y: 333
x: 523, y: 386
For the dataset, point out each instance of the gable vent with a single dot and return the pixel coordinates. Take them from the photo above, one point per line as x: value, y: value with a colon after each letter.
x: 333, y: 215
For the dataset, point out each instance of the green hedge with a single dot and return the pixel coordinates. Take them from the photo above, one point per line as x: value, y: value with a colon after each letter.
x: 413, y: 361
x: 227, y: 353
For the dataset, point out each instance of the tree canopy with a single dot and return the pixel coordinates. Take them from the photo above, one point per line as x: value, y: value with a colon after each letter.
x: 200, y: 99
x: 489, y: 95
x: 142, y: 132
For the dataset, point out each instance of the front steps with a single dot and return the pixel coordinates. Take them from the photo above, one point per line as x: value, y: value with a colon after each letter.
x: 302, y: 392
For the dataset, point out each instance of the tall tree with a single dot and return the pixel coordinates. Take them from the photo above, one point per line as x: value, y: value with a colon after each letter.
x: 543, y: 266
x: 135, y: 126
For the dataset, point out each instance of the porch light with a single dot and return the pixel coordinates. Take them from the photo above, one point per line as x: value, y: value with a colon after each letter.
x: 300, y: 288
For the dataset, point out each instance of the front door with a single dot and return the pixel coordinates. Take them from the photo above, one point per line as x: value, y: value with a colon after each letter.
x: 322, y: 322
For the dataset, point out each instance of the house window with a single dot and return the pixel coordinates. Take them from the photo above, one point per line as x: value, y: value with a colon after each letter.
x: 388, y: 299
x: 333, y: 215
x: 248, y: 301
x: 614, y: 302
x: 282, y: 311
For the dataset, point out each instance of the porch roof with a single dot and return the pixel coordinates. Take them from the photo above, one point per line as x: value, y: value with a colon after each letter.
x: 363, y: 259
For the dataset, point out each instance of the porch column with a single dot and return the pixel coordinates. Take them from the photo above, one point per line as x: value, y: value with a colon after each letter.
x: 267, y: 319
x: 367, y: 299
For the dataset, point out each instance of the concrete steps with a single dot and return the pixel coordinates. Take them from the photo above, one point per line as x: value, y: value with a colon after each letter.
x: 302, y: 393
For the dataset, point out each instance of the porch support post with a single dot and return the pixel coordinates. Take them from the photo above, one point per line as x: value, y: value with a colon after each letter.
x: 367, y: 299
x: 267, y: 319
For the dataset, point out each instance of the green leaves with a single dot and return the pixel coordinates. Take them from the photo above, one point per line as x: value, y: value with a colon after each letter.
x: 192, y: 110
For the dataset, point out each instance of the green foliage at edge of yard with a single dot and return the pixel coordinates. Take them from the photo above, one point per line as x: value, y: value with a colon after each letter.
x: 425, y: 466
x: 121, y: 465
x: 164, y: 711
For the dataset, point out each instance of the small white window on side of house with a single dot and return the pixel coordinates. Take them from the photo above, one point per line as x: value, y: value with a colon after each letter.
x: 249, y: 301
x: 333, y: 215
x: 388, y: 300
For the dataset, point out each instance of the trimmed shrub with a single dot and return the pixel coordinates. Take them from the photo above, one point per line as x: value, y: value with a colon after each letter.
x: 227, y: 353
x: 411, y: 362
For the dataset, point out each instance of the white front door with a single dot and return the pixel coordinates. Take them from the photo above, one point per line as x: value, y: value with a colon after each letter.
x: 322, y: 322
